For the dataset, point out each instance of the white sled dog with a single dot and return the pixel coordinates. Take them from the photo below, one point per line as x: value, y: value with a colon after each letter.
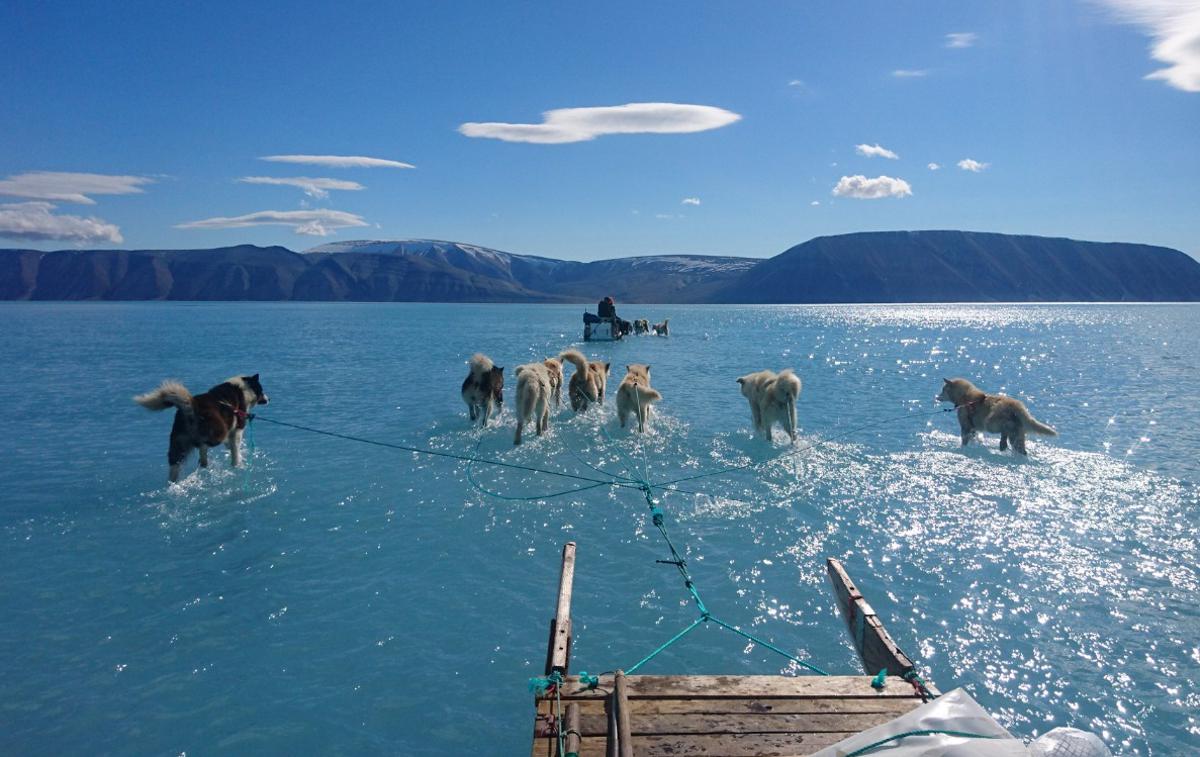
x: 588, y: 382
x: 483, y: 388
x: 534, y: 390
x: 206, y: 420
x: 772, y: 398
x: 635, y: 395
x: 995, y: 413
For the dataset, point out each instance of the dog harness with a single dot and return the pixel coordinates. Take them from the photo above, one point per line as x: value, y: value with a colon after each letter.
x: 239, y: 414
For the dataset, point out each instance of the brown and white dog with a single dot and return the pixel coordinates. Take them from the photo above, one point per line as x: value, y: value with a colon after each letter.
x: 662, y: 329
x: 635, y: 395
x: 995, y: 413
x: 534, y: 390
x: 483, y: 388
x: 772, y: 398
x: 587, y: 382
x: 641, y: 326
x: 206, y: 420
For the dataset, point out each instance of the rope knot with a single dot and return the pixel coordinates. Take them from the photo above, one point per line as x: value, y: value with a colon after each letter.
x: 880, y: 680
x: 656, y: 515
x: 590, y: 681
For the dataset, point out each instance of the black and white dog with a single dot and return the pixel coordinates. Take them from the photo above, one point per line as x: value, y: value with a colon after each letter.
x: 206, y: 420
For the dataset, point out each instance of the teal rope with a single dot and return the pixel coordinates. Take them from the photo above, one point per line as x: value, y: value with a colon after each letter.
x: 925, y: 732
x: 768, y: 645
x: 436, y: 453
x: 510, y: 498
x: 633, y: 668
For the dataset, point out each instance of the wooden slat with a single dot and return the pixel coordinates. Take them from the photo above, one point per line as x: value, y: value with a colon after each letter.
x: 574, y: 732
x: 871, y: 640
x: 693, y: 723
x: 893, y: 706
x: 558, y: 657
x: 624, y: 732
x: 724, y: 745
x: 739, y: 687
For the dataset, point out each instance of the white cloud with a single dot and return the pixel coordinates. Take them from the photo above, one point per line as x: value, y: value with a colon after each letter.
x: 934, y: 167
x: 318, y: 188
x: 974, y: 166
x: 70, y: 187
x: 1174, y: 26
x: 34, y: 221
x: 312, y: 222
x: 961, y: 39
x: 815, y: 203
x: 582, y: 124
x: 862, y: 188
x: 910, y: 73
x: 796, y: 83
x: 876, y: 151
x: 338, y: 161
x: 690, y: 201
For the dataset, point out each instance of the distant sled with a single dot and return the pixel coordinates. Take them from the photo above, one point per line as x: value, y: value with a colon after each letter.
x: 597, y: 329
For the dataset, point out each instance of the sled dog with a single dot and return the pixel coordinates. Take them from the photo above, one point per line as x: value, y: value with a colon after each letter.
x: 772, y: 398
x: 635, y: 395
x: 995, y: 413
x: 205, y: 420
x: 483, y: 388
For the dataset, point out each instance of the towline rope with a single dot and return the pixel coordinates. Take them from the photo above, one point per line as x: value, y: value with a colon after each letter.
x: 633, y: 479
x: 348, y: 437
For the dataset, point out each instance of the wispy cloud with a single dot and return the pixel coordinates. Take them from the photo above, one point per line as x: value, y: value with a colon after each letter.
x: 910, y: 73
x: 70, y: 187
x: 1174, y: 25
x: 862, y: 188
x: 961, y: 39
x: 876, y: 151
x: 338, y: 161
x: 690, y: 201
x: 972, y: 165
x: 934, y: 167
x: 582, y: 124
x: 318, y: 188
x: 815, y: 203
x: 34, y: 221
x: 311, y: 222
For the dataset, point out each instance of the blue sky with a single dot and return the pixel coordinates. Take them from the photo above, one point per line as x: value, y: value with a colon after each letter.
x: 170, y: 106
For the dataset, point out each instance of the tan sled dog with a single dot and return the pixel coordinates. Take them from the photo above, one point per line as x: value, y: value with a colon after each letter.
x: 534, y: 391
x: 995, y: 413
x: 483, y: 388
x: 206, y: 420
x: 588, y: 382
x: 772, y: 397
x: 634, y: 395
x: 554, y: 368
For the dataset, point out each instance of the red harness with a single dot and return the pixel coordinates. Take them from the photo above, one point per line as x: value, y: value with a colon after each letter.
x: 240, y: 415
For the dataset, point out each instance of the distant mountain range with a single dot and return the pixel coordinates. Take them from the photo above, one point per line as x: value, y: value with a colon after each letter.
x: 893, y: 266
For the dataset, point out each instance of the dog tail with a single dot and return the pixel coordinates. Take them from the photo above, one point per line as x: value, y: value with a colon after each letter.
x: 787, y: 385
x: 1033, y: 424
x: 480, y: 363
x: 647, y: 394
x: 575, y: 358
x: 169, y: 394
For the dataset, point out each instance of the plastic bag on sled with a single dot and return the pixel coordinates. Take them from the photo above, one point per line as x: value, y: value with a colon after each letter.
x: 954, y: 725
